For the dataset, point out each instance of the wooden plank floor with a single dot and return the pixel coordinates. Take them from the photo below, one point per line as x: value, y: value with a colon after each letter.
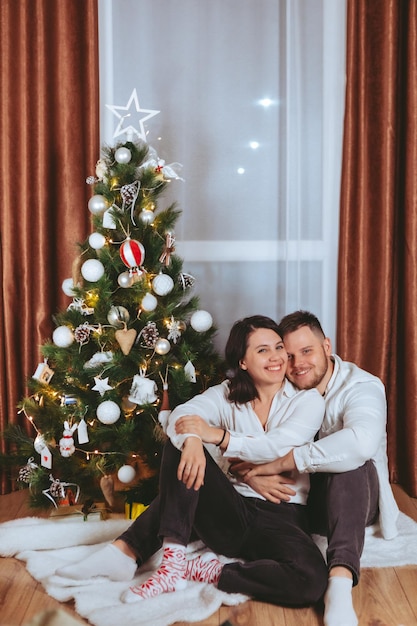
x: 384, y: 597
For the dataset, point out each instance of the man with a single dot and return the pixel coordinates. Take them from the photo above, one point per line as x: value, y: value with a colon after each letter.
x: 348, y: 461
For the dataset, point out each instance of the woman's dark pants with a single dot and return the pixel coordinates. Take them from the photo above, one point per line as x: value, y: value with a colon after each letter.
x: 282, y: 563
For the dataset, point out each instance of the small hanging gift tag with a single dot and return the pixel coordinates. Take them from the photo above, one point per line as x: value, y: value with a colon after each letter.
x: 108, y: 220
x: 189, y: 370
x: 46, y: 457
x: 82, y: 432
x: 164, y: 411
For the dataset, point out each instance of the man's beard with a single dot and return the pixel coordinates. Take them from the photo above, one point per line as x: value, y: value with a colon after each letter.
x: 318, y: 376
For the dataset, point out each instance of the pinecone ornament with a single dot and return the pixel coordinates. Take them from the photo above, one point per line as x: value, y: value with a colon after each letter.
x: 27, y: 472
x: 82, y: 334
x: 149, y: 335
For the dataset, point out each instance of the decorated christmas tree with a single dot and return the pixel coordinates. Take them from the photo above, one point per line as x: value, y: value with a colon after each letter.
x: 132, y: 344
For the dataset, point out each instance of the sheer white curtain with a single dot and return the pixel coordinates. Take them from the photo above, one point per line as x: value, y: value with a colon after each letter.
x: 251, y: 101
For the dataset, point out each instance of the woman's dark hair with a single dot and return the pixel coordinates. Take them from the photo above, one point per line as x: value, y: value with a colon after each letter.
x: 241, y: 387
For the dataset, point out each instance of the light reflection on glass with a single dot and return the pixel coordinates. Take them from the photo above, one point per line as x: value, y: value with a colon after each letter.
x: 265, y: 102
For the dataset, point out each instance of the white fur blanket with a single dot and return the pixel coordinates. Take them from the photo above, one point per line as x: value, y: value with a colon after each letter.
x: 45, y: 545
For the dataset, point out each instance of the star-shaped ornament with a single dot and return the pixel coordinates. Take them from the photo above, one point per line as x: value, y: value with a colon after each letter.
x: 130, y: 110
x: 102, y: 385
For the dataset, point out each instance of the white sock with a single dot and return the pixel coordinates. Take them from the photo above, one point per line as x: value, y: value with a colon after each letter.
x: 169, y: 577
x: 338, y: 605
x: 109, y: 561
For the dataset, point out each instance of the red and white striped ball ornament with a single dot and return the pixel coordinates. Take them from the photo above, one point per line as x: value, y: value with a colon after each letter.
x: 132, y: 253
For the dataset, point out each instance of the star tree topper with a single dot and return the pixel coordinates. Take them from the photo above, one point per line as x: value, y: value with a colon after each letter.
x: 131, y: 109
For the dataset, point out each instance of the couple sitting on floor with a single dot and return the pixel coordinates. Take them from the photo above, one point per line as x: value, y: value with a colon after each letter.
x: 241, y: 462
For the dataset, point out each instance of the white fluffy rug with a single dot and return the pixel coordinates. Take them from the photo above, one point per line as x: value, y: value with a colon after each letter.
x: 45, y: 545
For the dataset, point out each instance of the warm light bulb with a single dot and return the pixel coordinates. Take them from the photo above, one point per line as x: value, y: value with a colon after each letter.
x: 92, y: 298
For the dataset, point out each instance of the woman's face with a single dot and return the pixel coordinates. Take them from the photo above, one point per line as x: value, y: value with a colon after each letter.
x: 265, y: 358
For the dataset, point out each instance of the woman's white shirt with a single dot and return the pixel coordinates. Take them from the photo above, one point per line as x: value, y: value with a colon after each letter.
x: 294, y: 419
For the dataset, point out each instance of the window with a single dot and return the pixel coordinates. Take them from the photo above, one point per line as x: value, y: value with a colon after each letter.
x: 251, y: 101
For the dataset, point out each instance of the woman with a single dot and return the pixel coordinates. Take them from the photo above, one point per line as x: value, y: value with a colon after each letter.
x: 256, y: 416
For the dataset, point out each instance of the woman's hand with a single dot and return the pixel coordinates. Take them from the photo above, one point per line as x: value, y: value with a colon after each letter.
x: 192, y: 465
x: 196, y: 425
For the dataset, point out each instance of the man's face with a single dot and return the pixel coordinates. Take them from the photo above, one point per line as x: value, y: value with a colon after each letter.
x: 309, y: 363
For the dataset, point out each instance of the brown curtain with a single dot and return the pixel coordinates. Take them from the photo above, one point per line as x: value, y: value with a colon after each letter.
x: 377, y: 300
x: 49, y: 143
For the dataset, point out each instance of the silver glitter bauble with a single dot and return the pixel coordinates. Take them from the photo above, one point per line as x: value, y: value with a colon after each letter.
x: 118, y: 316
x: 162, y: 284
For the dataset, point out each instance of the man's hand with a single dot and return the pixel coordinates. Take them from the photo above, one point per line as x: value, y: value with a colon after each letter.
x: 274, y: 488
x: 279, y: 466
x: 267, y: 479
x: 192, y: 465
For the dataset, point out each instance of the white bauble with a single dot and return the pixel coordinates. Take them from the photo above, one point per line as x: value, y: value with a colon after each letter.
x: 92, y: 270
x: 68, y: 286
x: 126, y: 473
x: 123, y: 155
x: 146, y: 216
x: 97, y: 204
x: 149, y: 302
x: 201, y: 321
x: 162, y: 284
x: 162, y: 346
x: 62, y: 336
x: 39, y: 444
x: 125, y: 280
x: 108, y: 412
x: 96, y: 240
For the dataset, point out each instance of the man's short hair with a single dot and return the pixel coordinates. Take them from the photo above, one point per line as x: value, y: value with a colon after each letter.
x: 294, y: 321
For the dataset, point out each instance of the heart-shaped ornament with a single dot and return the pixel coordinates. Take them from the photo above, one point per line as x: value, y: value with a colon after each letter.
x: 126, y: 338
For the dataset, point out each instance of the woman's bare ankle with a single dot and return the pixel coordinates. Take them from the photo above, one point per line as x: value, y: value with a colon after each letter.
x: 125, y: 548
